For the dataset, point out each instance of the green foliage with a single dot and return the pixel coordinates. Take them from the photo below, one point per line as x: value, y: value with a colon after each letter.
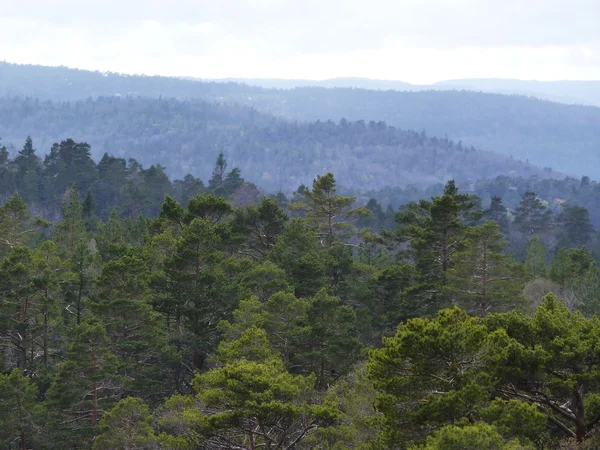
x: 85, y: 386
x: 482, y: 278
x: 326, y: 210
x: 21, y: 417
x: 478, y: 436
x: 137, y: 336
x: 576, y: 228
x: 304, y: 260
x: 260, y: 325
x: 127, y: 425
x: 251, y: 399
x: 430, y: 372
x: 261, y: 225
x: 535, y: 261
x: 436, y: 231
x: 532, y: 216
x: 71, y: 230
x: 15, y: 226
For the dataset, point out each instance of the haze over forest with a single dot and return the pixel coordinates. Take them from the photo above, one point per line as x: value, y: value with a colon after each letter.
x: 300, y: 225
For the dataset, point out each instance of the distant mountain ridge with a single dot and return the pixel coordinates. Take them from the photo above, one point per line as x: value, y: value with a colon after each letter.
x: 569, y: 92
x: 563, y: 137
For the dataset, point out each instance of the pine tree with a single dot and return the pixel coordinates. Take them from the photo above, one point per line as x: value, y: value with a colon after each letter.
x: 185, y: 189
x: 51, y: 274
x: 128, y: 425
x: 7, y: 175
x: 19, y: 303
x: 273, y: 408
x: 532, y: 216
x: 88, y: 210
x: 535, y: 262
x: 576, y: 230
x: 215, y: 184
x: 498, y: 212
x: 16, y: 228
x: 436, y: 231
x: 483, y: 279
x: 331, y: 344
x: 326, y: 211
x: 21, y: 417
x: 71, y: 230
x: 261, y: 225
x: 28, y: 167
x: 136, y: 332
x: 85, y: 386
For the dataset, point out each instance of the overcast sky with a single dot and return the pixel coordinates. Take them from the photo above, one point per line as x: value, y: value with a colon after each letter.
x: 419, y: 41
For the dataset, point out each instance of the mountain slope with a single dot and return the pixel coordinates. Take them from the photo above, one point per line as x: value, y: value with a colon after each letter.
x: 186, y: 136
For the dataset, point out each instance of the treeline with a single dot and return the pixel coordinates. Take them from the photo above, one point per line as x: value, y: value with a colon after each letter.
x: 111, y: 183
x: 275, y: 154
x: 125, y: 188
x: 511, y: 189
x: 294, y: 323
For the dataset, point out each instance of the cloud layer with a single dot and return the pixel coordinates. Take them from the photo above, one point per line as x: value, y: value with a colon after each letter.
x: 419, y: 41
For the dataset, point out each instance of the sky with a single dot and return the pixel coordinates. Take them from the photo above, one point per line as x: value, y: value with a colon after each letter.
x: 418, y: 41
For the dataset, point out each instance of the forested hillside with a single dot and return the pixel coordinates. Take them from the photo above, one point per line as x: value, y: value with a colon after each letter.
x: 297, y: 322
x: 564, y: 137
x: 184, y: 136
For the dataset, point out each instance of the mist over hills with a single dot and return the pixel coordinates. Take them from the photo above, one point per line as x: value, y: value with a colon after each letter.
x: 563, y: 137
x: 565, y: 91
x: 186, y: 136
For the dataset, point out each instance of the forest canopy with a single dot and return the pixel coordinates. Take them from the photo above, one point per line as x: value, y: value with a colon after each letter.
x: 215, y: 317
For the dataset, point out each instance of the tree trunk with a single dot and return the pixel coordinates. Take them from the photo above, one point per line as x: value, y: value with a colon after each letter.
x: 95, y: 407
x: 46, y: 339
x: 579, y: 411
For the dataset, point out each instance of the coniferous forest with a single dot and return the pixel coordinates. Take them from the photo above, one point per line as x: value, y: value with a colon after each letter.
x: 192, y: 265
x: 138, y: 312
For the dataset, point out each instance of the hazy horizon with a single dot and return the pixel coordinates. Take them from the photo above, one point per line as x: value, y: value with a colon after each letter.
x: 418, y: 42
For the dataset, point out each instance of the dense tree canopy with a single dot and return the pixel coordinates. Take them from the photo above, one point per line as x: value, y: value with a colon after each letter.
x: 149, y: 314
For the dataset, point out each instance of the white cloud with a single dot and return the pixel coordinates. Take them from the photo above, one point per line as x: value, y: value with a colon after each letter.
x: 413, y: 40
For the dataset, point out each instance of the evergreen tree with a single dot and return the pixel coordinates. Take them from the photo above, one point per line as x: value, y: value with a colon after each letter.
x: 71, y: 230
x: 7, y: 175
x: 272, y: 408
x: 28, y: 178
x: 137, y: 337
x: 436, y: 231
x: 215, y: 184
x: 68, y: 163
x: 78, y: 287
x: 15, y: 227
x: 332, y: 345
x: 21, y: 417
x: 233, y: 181
x: 85, y: 386
x: 576, y: 230
x: 88, y: 210
x: 261, y: 225
x: 535, y: 262
x: 20, y: 301
x: 185, y: 189
x: 483, y: 279
x: 51, y: 274
x: 532, y: 216
x: 128, y: 425
x: 498, y: 212
x: 304, y: 260
x: 327, y: 211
